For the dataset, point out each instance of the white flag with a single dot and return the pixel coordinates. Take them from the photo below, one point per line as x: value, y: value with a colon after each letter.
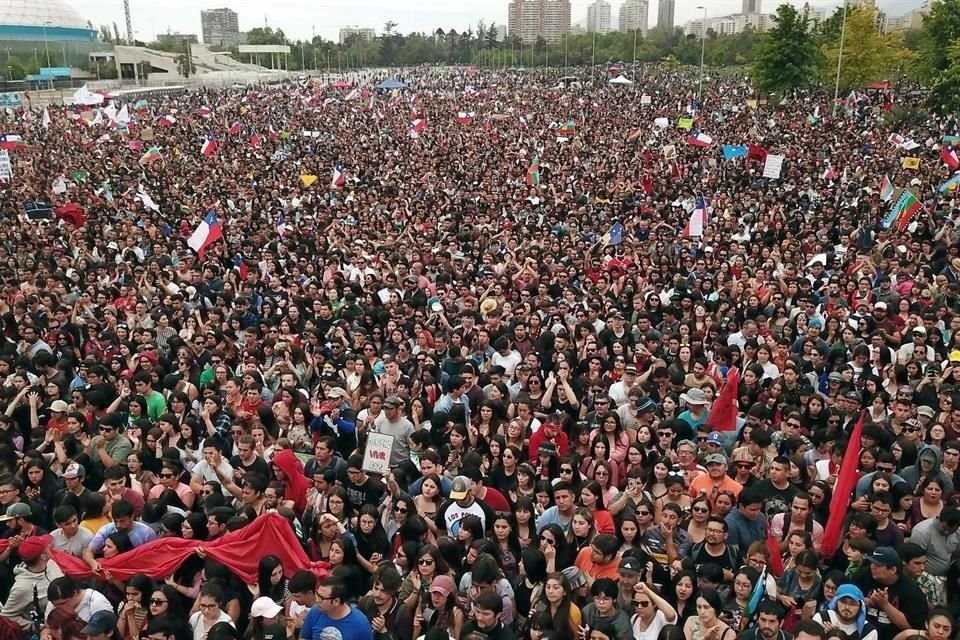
x: 46, y: 118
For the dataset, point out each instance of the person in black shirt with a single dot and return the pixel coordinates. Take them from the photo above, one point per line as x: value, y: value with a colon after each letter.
x: 361, y: 488
x: 894, y: 603
x: 776, y: 490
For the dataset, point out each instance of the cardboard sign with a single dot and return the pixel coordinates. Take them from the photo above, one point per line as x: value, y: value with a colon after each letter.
x: 147, y: 134
x: 376, y: 457
x: 773, y: 166
x: 6, y: 170
x: 645, y: 99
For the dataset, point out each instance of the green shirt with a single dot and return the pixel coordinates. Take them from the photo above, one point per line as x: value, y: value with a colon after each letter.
x: 156, y: 405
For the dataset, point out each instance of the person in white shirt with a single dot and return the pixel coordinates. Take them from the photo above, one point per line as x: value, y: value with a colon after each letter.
x: 64, y: 593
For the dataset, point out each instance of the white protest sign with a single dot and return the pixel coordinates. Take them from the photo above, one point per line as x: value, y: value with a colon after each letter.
x: 6, y: 170
x: 376, y: 457
x: 645, y: 99
x: 773, y: 166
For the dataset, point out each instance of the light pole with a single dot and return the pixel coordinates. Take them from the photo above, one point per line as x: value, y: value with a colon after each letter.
x: 46, y: 49
x: 593, y: 56
x: 843, y: 32
x: 703, y: 50
x: 566, y: 64
x: 636, y: 29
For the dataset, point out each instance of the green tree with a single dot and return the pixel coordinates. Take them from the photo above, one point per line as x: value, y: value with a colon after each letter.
x: 941, y: 29
x: 944, y: 95
x: 786, y: 56
x: 15, y: 70
x: 266, y: 35
x: 105, y: 34
x: 868, y: 55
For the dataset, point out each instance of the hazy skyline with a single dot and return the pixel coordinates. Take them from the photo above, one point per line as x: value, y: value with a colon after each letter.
x: 299, y: 19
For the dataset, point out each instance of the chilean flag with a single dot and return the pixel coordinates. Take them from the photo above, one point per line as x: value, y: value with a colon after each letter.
x: 700, y: 139
x: 697, y: 220
x: 416, y: 127
x: 209, y: 146
x: 11, y: 141
x: 272, y: 134
x: 464, y: 117
x: 829, y: 174
x: 167, y: 121
x: 234, y: 129
x: 255, y: 140
x: 337, y: 176
x: 949, y: 156
x: 204, y: 112
x: 207, y: 232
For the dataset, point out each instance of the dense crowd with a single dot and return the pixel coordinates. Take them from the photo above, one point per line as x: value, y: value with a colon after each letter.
x: 602, y: 423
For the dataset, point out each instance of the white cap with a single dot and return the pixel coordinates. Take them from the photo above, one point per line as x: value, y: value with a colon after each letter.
x: 264, y: 607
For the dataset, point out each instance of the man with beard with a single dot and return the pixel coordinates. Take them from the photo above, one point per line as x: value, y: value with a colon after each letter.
x: 769, y: 617
x: 848, y: 613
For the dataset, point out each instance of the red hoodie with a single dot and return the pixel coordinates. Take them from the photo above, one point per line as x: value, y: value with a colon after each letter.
x: 560, y: 439
x: 296, y: 483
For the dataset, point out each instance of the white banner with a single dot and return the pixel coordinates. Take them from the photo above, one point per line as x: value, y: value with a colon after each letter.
x: 773, y: 166
x: 6, y: 169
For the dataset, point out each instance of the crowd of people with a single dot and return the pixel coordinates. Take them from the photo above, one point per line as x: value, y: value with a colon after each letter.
x: 603, y: 424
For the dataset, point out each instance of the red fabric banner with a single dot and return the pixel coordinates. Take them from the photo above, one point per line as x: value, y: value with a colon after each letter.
x: 723, y: 414
x: 842, y: 492
x: 239, y: 550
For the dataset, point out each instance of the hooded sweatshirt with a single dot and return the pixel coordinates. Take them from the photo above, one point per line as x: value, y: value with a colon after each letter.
x: 859, y: 628
x: 296, y: 483
x: 912, y: 475
x: 19, y: 603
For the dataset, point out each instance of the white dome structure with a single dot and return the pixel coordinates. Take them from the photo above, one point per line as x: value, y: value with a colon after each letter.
x: 29, y: 19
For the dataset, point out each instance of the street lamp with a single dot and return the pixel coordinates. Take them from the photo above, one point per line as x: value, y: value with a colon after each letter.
x: 843, y: 31
x: 703, y: 49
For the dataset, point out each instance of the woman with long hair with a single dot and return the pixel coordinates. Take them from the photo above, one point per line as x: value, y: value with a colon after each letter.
x: 682, y: 595
x: 591, y: 497
x: 707, y: 624
x: 528, y: 588
x: 557, y: 600
x: 373, y: 547
x: 504, y: 536
x: 582, y: 530
x: 928, y: 499
x: 428, y: 564
x: 132, y: 613
x: 526, y: 522
x: 271, y: 582
x: 556, y: 549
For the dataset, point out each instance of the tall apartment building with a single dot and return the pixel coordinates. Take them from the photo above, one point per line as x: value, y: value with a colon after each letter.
x: 220, y: 27
x: 751, y: 6
x: 532, y: 19
x: 364, y: 33
x: 598, y: 17
x: 634, y: 15
x: 666, y: 14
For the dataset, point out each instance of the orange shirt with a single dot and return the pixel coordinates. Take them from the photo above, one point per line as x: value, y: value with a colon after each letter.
x: 595, y: 571
x: 704, y: 484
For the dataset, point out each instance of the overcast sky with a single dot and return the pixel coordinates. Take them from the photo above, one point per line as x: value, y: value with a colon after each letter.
x: 298, y: 18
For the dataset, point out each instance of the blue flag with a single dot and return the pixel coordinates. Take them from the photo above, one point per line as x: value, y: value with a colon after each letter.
x: 731, y: 151
x: 614, y: 236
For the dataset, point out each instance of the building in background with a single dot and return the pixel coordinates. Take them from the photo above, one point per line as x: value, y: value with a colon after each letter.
x: 730, y: 24
x: 751, y: 6
x: 634, y: 15
x: 220, y: 27
x: 598, y: 17
x: 532, y: 19
x: 178, y: 38
x: 910, y: 20
x: 666, y: 14
x: 814, y: 15
x: 364, y: 33
x: 50, y: 30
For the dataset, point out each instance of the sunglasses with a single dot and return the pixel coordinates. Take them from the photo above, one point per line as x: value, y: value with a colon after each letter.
x: 425, y: 562
x: 157, y: 602
x: 701, y: 510
x: 547, y: 540
x: 566, y: 470
x: 400, y: 509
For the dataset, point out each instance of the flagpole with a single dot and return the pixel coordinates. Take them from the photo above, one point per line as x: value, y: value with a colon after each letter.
x: 703, y: 50
x: 843, y: 31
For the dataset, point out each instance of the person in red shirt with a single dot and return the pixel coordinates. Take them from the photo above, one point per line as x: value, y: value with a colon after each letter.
x: 489, y: 496
x: 552, y: 431
x: 599, y: 560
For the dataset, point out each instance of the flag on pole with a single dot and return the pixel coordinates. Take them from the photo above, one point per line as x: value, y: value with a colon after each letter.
x: 828, y: 174
x: 271, y: 133
x: 255, y: 140
x: 634, y: 135
x: 204, y: 112
x: 614, y: 236
x: 568, y: 128
x: 697, y: 220
x: 46, y: 119
x: 152, y: 154
x: 904, y: 210
x: 759, y: 591
x: 886, y: 189
x: 206, y: 233
x: 700, y: 139
x: 949, y: 156
x: 464, y: 117
x: 140, y: 106
x: 911, y: 163
x: 842, y: 492
x: 167, y: 121
x: 71, y: 213
x: 951, y: 184
x: 208, y: 147
x: 281, y: 225
x: 240, y: 265
x: 533, y: 172
x: 234, y: 128
x: 337, y: 178
x: 11, y: 141
x: 416, y: 126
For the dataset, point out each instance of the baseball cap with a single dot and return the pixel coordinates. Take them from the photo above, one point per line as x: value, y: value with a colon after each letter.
x: 880, y: 305
x: 835, y: 377
x: 393, y: 402
x: 59, y: 406
x: 629, y: 564
x: 884, y: 556
x: 631, y: 369
x: 442, y: 584
x: 460, y: 487
x: 716, y: 458
x: 919, y: 330
x: 32, y: 547
x: 925, y: 411
x: 264, y: 607
x: 955, y: 356
x: 715, y: 438
x: 16, y: 510
x: 100, y: 623
x: 74, y: 470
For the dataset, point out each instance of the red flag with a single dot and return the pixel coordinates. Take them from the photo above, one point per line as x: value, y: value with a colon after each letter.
x: 756, y: 153
x: 255, y: 140
x: 72, y: 214
x: 675, y: 172
x: 842, y: 492
x: 234, y: 129
x: 723, y: 415
x: 647, y: 183
x: 776, y: 560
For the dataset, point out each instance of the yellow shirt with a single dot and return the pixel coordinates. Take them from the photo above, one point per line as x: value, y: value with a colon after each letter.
x: 93, y: 524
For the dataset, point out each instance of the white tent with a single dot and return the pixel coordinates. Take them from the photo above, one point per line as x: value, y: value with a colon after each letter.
x: 620, y: 80
x: 85, y: 97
